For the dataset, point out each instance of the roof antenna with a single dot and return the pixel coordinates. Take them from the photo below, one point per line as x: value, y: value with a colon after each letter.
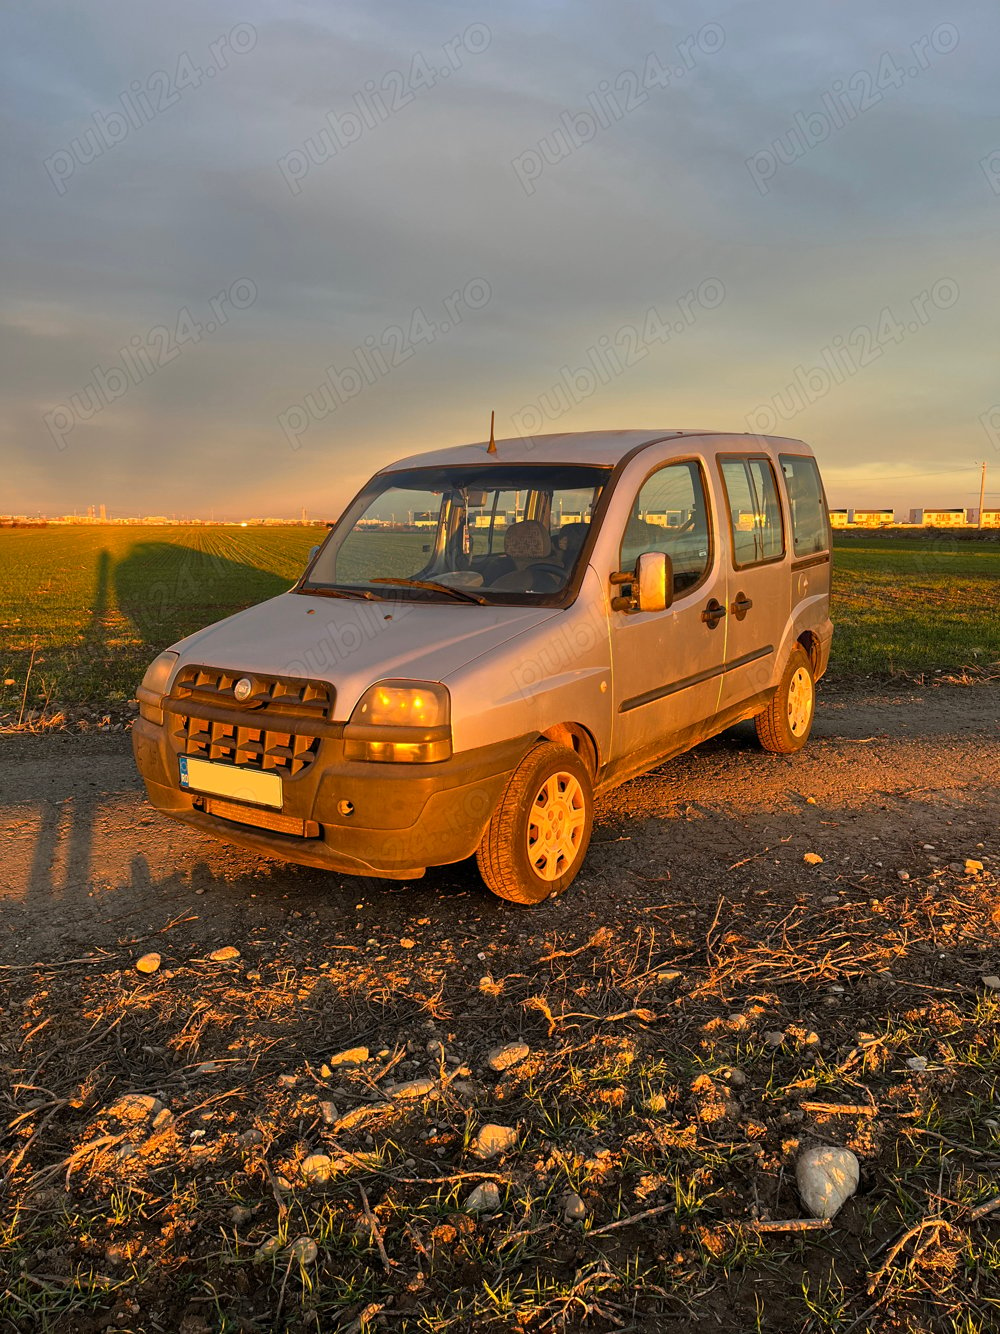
x: 491, y: 448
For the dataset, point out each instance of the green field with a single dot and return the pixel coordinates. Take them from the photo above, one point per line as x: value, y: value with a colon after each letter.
x: 98, y: 603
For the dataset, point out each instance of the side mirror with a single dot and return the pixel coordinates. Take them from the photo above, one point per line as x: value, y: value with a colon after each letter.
x: 313, y: 553
x: 654, y: 581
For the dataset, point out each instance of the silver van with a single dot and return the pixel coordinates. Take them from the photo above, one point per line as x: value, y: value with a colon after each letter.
x: 489, y: 636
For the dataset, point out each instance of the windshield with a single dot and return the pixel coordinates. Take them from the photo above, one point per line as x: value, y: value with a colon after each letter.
x: 491, y: 533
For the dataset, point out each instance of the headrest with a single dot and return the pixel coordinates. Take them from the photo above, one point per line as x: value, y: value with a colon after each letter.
x: 527, y: 540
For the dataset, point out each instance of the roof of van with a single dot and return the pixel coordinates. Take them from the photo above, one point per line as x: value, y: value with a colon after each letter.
x: 594, y: 447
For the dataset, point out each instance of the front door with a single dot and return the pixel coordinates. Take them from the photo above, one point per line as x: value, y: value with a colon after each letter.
x: 758, y: 578
x: 668, y: 665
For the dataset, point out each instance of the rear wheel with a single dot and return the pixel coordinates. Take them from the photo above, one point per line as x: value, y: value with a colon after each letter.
x: 785, y: 724
x: 538, y: 838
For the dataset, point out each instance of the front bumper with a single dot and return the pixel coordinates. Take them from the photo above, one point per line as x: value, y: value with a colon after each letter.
x: 402, y: 817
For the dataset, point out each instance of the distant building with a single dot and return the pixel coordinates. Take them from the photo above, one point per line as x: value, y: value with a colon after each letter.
x: 950, y: 518
x: 990, y: 519
x: 103, y: 513
x: 873, y: 518
x: 839, y: 518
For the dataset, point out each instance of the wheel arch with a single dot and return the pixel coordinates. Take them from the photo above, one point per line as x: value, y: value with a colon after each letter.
x: 578, y: 738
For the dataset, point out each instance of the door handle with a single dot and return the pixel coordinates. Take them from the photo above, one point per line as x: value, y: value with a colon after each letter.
x: 741, y: 606
x: 713, y: 613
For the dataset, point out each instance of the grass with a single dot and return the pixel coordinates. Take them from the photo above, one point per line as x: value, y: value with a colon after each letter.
x: 95, y: 605
x: 915, y: 604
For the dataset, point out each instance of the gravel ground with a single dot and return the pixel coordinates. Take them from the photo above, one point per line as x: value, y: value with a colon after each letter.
x: 702, y: 1006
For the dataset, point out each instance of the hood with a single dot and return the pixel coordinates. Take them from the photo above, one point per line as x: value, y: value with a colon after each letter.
x: 352, y: 643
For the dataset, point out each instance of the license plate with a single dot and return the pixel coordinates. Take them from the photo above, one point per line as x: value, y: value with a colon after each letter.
x: 226, y: 780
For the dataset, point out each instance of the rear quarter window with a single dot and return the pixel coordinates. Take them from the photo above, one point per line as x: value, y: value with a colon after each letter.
x: 810, y: 519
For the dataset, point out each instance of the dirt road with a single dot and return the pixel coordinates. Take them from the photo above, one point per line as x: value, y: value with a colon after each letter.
x: 87, y: 863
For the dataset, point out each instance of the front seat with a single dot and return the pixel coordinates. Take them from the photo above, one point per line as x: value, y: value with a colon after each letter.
x: 525, y: 543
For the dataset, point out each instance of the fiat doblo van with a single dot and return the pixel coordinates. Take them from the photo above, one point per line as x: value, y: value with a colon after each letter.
x: 489, y: 636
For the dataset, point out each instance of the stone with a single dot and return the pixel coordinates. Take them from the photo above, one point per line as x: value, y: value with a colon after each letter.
x: 268, y: 1249
x: 574, y: 1209
x: 287, y: 1081
x: 812, y: 859
x: 240, y: 1214
x: 351, y: 1056
x: 656, y: 1103
x: 485, y: 1199
x: 492, y: 1140
x: 510, y: 1054
x: 163, y: 1119
x: 992, y: 981
x: 303, y: 1249
x: 149, y: 963
x: 735, y: 1076
x: 918, y: 1063
x: 413, y: 1088
x: 972, y: 867
x: 774, y: 1038
x: 317, y: 1169
x: 225, y: 955
x: 669, y: 975
x: 133, y: 1107
x: 407, y: 944
x: 328, y: 1111
x: 359, y: 1114
x: 827, y: 1177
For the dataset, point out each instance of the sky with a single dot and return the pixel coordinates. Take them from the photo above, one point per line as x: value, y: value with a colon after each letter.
x: 253, y: 251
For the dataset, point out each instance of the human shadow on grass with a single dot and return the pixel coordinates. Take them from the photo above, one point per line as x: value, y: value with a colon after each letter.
x: 167, y: 591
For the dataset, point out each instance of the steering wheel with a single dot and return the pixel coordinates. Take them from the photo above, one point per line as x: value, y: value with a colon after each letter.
x: 556, y: 572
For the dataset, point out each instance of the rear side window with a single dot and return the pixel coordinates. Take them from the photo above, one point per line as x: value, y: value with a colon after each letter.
x: 810, y: 521
x: 754, y: 510
x: 671, y: 514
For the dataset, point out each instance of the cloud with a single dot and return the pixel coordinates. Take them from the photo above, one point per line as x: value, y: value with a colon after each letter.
x: 141, y: 190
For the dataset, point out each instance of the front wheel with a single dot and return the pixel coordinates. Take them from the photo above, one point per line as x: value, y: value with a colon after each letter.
x: 538, y: 837
x: 785, y: 724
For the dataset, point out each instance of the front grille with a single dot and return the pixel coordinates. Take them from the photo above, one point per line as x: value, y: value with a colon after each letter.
x: 255, y: 737
x: 274, y: 694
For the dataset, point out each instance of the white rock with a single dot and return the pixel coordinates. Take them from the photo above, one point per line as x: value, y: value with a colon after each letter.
x: 574, y: 1209
x: 492, y: 1139
x: 511, y: 1053
x: 992, y: 981
x: 918, y: 1063
x: 329, y: 1113
x: 413, y: 1088
x: 316, y: 1169
x: 827, y: 1177
x: 485, y: 1199
x: 303, y: 1249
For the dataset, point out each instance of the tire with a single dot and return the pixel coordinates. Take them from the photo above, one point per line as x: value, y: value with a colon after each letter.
x: 784, y: 726
x: 528, y: 854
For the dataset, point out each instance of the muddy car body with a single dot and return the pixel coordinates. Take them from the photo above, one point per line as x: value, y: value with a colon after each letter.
x: 485, y: 640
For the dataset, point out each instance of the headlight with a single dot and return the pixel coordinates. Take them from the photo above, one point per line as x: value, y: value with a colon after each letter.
x: 154, y: 686
x: 407, y: 722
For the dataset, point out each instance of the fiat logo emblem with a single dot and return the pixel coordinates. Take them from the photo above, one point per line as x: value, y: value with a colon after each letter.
x: 243, y: 689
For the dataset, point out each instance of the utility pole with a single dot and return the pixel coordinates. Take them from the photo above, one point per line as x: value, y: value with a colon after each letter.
x: 982, y: 494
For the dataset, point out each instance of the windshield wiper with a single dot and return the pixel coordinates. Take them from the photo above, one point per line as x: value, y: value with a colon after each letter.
x: 328, y: 591
x: 462, y: 594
